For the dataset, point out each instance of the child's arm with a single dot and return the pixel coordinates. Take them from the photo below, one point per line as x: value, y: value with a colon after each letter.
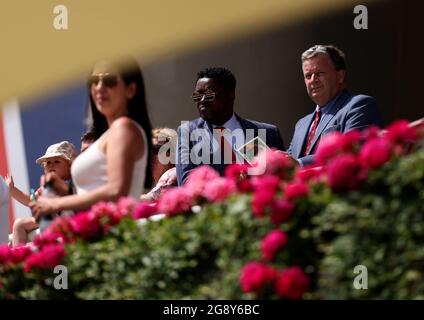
x: 60, y: 186
x: 17, y: 194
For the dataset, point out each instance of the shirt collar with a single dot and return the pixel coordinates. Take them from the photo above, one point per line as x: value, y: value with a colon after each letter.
x: 231, y: 124
x: 329, y: 105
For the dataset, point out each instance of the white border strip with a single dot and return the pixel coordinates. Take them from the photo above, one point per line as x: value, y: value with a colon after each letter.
x: 15, y: 153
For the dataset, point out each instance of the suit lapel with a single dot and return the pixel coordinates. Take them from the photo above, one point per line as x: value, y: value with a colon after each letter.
x: 301, y: 136
x: 326, y: 118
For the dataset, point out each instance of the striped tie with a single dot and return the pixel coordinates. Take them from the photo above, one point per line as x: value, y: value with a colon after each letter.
x: 313, y: 130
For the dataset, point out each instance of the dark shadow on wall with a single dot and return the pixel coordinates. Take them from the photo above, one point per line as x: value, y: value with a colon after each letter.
x: 382, y: 61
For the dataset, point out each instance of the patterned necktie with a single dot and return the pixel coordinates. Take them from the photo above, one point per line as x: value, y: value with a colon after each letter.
x: 227, y: 151
x: 313, y: 130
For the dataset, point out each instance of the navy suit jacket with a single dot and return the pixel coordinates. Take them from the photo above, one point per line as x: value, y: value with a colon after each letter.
x: 348, y: 112
x: 185, y: 162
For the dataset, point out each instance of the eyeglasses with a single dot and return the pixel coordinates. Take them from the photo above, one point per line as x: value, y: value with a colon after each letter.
x: 207, y: 96
x: 109, y: 80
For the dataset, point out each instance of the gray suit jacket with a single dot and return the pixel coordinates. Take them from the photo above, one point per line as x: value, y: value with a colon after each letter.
x: 188, y: 157
x: 349, y: 112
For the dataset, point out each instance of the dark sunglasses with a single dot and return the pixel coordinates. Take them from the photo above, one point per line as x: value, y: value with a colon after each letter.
x: 109, y: 80
x: 207, y: 96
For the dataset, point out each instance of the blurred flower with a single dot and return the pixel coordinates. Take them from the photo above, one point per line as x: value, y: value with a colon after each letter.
x: 271, y: 183
x: 4, y: 253
x: 199, y: 178
x: 294, y: 190
x: 292, y: 283
x: 175, y: 201
x: 145, y: 209
x: 261, y: 201
x: 49, y: 236
x: 85, y: 225
x: 282, y: 210
x: 50, y: 256
x: 238, y: 173
x: 308, y: 173
x: 336, y: 143
x: 400, y: 132
x: 371, y: 133
x: 375, y: 153
x: 272, y: 243
x: 19, y: 254
x: 277, y: 163
x: 342, y: 172
x: 219, y: 189
x: 126, y: 206
x: 255, y: 276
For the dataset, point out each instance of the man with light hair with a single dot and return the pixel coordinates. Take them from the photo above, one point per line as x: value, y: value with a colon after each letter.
x: 336, y: 109
x: 4, y: 211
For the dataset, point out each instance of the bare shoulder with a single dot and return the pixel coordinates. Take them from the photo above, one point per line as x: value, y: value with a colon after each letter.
x: 124, y: 123
x: 125, y: 126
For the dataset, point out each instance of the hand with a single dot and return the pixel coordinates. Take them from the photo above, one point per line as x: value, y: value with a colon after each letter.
x: 9, y: 181
x: 59, y: 185
x: 44, y: 206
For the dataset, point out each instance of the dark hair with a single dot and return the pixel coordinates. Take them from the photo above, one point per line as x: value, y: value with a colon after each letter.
x: 137, y: 109
x: 336, y: 55
x: 222, y: 76
x: 89, y: 135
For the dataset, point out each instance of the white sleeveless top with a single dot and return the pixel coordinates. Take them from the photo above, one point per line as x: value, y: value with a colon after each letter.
x: 89, y: 169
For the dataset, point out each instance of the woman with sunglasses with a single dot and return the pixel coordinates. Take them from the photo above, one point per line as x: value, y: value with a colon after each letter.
x: 116, y: 164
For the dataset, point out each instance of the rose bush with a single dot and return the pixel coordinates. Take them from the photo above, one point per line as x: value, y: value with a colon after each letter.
x: 290, y: 233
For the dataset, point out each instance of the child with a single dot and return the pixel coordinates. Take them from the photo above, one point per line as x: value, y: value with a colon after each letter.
x: 57, y: 171
x: 87, y: 139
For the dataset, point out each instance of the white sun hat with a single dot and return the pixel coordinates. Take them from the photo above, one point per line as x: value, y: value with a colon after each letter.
x: 64, y: 149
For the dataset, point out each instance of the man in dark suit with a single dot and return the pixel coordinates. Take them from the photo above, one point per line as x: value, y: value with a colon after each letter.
x: 336, y: 109
x: 215, y: 137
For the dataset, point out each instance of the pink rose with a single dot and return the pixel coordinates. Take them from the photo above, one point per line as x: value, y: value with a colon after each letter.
x: 199, y: 178
x: 125, y: 206
x: 272, y: 243
x: 145, y: 209
x: 85, y: 225
x: 371, y: 132
x: 277, y: 163
x: 19, y: 254
x: 296, y: 190
x: 375, y: 153
x: 62, y: 225
x: 292, y: 283
x: 400, y: 132
x: 271, y: 183
x: 282, y: 211
x: 309, y: 173
x: 255, y: 276
x: 342, y: 172
x: 49, y: 257
x: 175, y: 201
x: 4, y: 253
x: 238, y: 173
x: 329, y: 146
x: 48, y: 237
x: 351, y: 140
x: 337, y: 143
x: 262, y: 200
x: 109, y: 214
x: 219, y: 189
